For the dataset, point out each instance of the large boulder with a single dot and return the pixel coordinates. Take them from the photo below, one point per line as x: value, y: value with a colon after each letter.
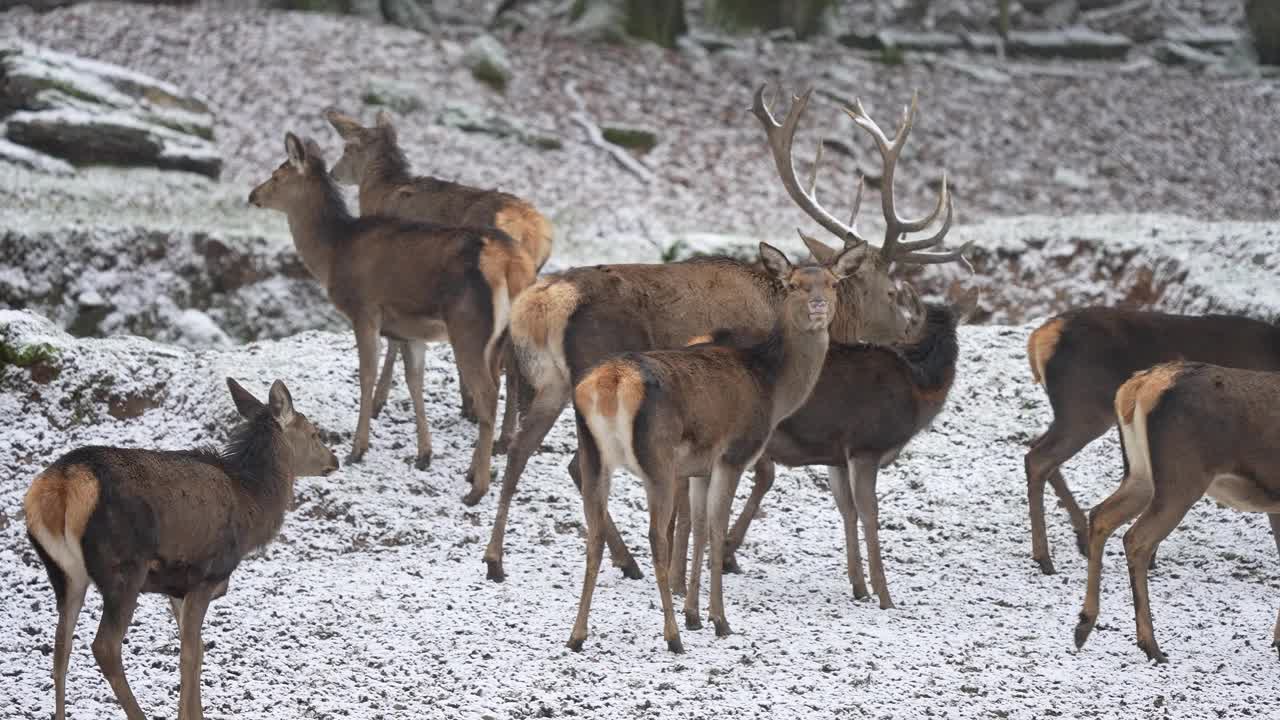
x: 86, y: 111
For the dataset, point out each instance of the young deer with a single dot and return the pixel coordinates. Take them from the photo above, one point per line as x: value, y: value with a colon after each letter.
x: 868, y: 403
x: 409, y: 280
x: 373, y: 161
x: 1083, y: 356
x: 565, y: 324
x: 668, y: 414
x: 176, y: 523
x: 1187, y: 429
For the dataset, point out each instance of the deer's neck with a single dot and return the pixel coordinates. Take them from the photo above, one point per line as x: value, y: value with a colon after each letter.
x: 803, y: 354
x: 384, y: 175
x: 260, y: 467
x: 317, y: 229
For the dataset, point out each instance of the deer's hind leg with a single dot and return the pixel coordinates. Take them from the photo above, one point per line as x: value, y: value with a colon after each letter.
x: 595, y: 504
x: 618, y: 552
x: 1067, y: 435
x: 1166, y: 510
x: 366, y: 325
x: 1121, y: 506
x: 842, y: 489
x: 119, y: 600
x: 415, y: 364
x: 474, y: 343
x: 660, y: 485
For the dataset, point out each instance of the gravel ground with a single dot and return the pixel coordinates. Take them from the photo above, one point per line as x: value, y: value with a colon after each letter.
x: 1052, y: 138
x: 373, y: 601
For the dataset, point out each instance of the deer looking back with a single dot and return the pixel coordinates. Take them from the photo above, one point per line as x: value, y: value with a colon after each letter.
x: 175, y: 523
x: 667, y: 414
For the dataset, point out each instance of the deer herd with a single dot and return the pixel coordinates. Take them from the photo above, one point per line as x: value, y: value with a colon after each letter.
x: 684, y: 374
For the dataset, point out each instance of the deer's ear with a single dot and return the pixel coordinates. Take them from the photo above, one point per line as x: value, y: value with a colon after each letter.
x: 384, y: 122
x: 246, y: 404
x: 821, y: 251
x: 849, y: 260
x: 281, y: 403
x: 297, y: 153
x: 315, y: 155
x: 347, y: 126
x: 775, y: 263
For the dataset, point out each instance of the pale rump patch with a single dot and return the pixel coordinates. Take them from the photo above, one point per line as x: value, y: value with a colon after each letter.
x: 58, y: 506
x: 542, y: 312
x: 1041, y: 345
x: 529, y: 228
x: 1144, y: 389
x: 610, y: 388
x: 698, y: 340
x: 496, y: 266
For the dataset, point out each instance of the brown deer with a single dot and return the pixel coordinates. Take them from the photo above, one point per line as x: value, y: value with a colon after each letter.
x: 1083, y: 356
x: 176, y: 523
x: 409, y: 280
x: 373, y: 161
x: 868, y: 403
x: 668, y: 414
x: 1187, y: 429
x: 877, y: 288
x: 567, y: 323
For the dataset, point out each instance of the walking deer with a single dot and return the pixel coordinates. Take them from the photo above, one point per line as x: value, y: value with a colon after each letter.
x: 409, y: 280
x: 868, y: 403
x: 176, y: 523
x: 1083, y: 356
x: 668, y: 414
x: 1187, y: 429
x: 565, y: 324
x: 373, y: 161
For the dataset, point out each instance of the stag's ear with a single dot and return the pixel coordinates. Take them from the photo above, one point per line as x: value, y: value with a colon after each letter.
x: 296, y: 152
x: 849, y: 260
x: 281, y: 403
x: 384, y: 122
x: 821, y: 252
x: 246, y: 404
x: 775, y: 263
x: 348, y: 127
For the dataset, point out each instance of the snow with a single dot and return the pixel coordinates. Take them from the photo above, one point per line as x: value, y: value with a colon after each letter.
x: 373, y: 601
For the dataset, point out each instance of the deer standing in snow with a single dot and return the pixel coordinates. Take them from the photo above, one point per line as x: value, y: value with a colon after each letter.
x: 176, y: 523
x: 409, y: 280
x: 1187, y: 430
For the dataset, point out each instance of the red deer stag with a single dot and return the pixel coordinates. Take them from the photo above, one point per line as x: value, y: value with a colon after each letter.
x: 876, y: 286
x: 1187, y: 429
x: 373, y: 161
x: 176, y: 523
x: 409, y: 280
x: 868, y: 403
x: 667, y: 414
x: 565, y: 324
x: 1083, y: 356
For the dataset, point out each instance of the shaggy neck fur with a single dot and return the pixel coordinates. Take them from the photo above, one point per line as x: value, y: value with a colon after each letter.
x: 320, y: 223
x: 386, y: 170
x: 258, y: 460
x: 933, y: 357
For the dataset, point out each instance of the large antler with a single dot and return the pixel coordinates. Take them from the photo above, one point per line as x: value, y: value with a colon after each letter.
x: 894, y: 249
x: 781, y: 137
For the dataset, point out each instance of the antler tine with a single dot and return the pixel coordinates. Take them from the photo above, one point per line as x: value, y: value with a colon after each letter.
x: 853, y: 216
x: 813, y: 173
x: 781, y: 136
x: 936, y: 238
x: 928, y: 258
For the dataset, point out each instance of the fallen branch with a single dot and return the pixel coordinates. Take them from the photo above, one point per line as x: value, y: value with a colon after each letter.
x: 596, y: 137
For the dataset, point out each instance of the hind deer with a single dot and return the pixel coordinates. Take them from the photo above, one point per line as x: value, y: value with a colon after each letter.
x: 409, y: 280
x: 667, y: 414
x: 373, y: 161
x: 565, y: 324
x: 868, y: 403
x: 1187, y: 430
x: 1083, y: 356
x: 176, y: 523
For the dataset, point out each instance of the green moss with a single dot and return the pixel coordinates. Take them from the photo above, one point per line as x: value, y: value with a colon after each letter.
x: 632, y: 138
x: 892, y: 55
x: 28, y: 355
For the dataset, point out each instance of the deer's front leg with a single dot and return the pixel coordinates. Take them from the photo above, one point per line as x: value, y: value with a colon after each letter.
x: 366, y: 328
x: 194, y: 606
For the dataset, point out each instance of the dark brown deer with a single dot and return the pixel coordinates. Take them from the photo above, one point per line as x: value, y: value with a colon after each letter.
x: 1187, y: 430
x: 1083, y: 356
x: 567, y: 323
x: 409, y: 280
x: 707, y: 410
x: 868, y: 403
x: 176, y: 523
x: 373, y: 161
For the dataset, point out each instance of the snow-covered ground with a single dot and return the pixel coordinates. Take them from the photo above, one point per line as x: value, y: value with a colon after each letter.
x: 373, y: 601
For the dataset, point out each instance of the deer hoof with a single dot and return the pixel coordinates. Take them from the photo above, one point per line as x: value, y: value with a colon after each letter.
x: 501, y: 445
x: 677, y: 586
x: 495, y: 572
x: 469, y: 415
x: 1046, y: 566
x: 692, y: 621
x: 575, y: 644
x: 631, y: 570
x: 1153, y: 653
x: 423, y: 461
x: 887, y: 604
x: 1083, y: 628
x: 354, y: 457
x: 472, y: 498
x: 731, y: 565
x: 722, y: 627
x: 860, y: 593
x: 676, y: 646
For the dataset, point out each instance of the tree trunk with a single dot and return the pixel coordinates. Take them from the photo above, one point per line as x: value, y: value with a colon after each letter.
x: 805, y: 17
x: 657, y: 21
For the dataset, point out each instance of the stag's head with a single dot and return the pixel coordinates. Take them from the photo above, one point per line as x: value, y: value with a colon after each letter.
x: 362, y: 146
x: 875, y: 308
x: 296, y: 180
